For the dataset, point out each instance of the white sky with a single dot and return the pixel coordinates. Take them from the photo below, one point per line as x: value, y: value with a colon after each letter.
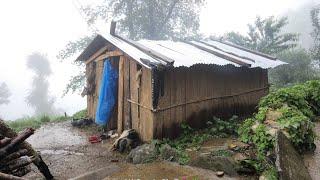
x: 47, y: 25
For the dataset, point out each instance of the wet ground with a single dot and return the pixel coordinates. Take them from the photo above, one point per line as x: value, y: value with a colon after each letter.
x: 163, y: 170
x: 312, y: 160
x: 68, y: 154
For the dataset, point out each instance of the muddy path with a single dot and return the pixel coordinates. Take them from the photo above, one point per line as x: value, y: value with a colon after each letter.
x: 68, y: 154
x: 312, y: 160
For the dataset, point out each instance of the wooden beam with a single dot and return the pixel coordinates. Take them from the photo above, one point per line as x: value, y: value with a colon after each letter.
x: 148, y: 51
x: 120, y: 94
x: 221, y: 55
x: 249, y: 50
x: 109, y: 54
x: 152, y: 52
x: 113, y: 28
x: 97, y: 54
x: 127, y: 95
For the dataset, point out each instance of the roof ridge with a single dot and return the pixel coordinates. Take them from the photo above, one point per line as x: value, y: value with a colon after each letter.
x: 232, y: 59
x: 213, y: 46
x: 246, y: 49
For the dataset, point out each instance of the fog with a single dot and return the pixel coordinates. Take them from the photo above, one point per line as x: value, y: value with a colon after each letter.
x: 46, y: 26
x: 39, y: 97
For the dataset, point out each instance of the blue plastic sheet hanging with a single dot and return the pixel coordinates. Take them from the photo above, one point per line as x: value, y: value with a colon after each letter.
x: 107, y: 94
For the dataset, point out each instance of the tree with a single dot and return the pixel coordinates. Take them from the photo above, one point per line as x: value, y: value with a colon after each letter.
x: 39, y: 97
x: 4, y: 94
x: 315, y: 18
x: 138, y: 19
x: 298, y: 70
x: 265, y: 36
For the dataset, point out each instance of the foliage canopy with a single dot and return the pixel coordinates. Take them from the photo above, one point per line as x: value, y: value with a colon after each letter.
x: 265, y: 36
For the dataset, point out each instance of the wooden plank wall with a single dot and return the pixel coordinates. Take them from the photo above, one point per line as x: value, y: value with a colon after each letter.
x: 140, y: 91
x: 90, y: 68
x: 92, y: 99
x: 200, y: 82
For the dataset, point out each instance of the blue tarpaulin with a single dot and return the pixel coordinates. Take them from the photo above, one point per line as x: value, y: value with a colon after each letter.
x: 107, y: 94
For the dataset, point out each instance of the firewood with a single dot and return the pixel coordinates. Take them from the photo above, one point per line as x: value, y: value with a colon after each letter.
x: 9, y: 177
x: 18, y: 163
x: 15, y: 155
x: 22, y: 171
x: 5, y: 141
x: 10, y: 148
x: 41, y: 165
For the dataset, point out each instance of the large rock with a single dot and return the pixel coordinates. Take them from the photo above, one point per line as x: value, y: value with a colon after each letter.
x: 289, y: 163
x: 142, y: 154
x: 216, y: 163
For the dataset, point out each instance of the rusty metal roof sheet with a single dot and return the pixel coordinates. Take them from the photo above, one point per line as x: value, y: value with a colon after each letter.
x: 151, y: 53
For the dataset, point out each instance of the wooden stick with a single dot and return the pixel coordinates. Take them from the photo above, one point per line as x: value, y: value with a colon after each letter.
x: 41, y: 165
x: 15, y: 155
x: 10, y: 177
x: 4, y: 142
x: 15, y: 142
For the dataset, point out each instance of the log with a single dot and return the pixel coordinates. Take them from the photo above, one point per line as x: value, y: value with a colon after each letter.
x: 22, y: 171
x: 10, y: 148
x: 16, y: 164
x: 9, y: 177
x: 5, y: 141
x: 41, y: 165
x: 15, y: 155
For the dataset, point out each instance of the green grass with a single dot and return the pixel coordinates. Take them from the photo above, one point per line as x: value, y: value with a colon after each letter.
x: 80, y: 114
x: 34, y: 122
x: 37, y: 121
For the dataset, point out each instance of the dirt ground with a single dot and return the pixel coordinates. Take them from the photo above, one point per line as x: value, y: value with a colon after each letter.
x: 68, y: 154
x: 67, y: 151
x: 312, y: 160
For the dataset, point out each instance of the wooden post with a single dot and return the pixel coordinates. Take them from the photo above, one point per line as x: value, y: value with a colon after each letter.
x: 127, y: 95
x: 113, y: 28
x: 120, y: 94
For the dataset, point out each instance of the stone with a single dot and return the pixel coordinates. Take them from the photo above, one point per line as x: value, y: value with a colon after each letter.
x: 219, y: 173
x: 262, y: 177
x: 239, y: 157
x: 142, y: 154
x: 168, y: 153
x: 216, y: 163
x: 288, y: 162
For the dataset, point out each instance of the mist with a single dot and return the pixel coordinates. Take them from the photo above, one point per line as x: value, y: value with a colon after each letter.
x: 300, y: 22
x: 4, y: 93
x: 39, y: 97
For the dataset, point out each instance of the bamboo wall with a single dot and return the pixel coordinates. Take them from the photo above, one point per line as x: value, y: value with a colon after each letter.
x: 206, y: 89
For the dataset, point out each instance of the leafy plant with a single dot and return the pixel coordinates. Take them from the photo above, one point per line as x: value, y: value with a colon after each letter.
x: 80, y: 114
x: 296, y: 107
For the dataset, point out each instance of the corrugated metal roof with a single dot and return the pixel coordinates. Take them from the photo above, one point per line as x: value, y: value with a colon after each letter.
x: 148, y: 52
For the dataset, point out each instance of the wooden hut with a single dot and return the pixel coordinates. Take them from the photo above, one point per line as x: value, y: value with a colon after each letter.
x: 164, y: 83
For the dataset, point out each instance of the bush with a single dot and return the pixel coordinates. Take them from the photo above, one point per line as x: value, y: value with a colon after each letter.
x: 291, y: 110
x: 80, y: 114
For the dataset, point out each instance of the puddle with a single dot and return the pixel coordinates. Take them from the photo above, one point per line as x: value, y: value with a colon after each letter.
x: 312, y: 161
x: 60, y: 152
